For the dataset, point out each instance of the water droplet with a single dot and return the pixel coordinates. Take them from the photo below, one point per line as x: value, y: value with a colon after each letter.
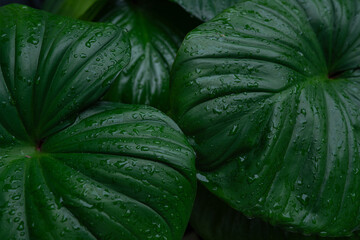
x: 201, y: 177
x: 303, y: 199
x: 33, y: 40
x: 21, y: 226
x: 234, y: 130
x: 253, y: 84
x: 250, y: 180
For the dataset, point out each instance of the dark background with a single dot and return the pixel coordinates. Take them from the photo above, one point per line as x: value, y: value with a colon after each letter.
x: 32, y: 3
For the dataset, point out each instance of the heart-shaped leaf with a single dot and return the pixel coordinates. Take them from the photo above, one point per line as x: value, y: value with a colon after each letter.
x: 114, y: 171
x: 155, y: 37
x: 271, y: 102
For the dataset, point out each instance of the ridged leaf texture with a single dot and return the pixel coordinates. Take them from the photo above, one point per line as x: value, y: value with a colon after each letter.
x: 205, y: 10
x: 53, y: 67
x: 155, y: 37
x: 268, y: 92
x: 70, y: 171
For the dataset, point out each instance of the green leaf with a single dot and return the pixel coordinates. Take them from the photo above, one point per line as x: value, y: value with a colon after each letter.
x: 212, y: 219
x: 118, y: 172
x: 155, y: 39
x: 205, y: 9
x: 340, y: 44
x: 52, y: 67
x: 82, y: 9
x: 272, y: 111
x: 113, y: 171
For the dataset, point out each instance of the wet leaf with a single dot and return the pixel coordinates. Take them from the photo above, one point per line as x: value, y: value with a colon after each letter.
x: 205, y: 9
x: 155, y: 32
x: 70, y: 171
x: 270, y: 102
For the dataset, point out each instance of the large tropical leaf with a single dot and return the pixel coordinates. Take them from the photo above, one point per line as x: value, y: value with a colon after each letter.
x: 155, y: 37
x: 271, y: 103
x: 205, y: 9
x: 112, y: 172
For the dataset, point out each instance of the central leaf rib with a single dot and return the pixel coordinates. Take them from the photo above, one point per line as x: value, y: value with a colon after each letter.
x: 39, y: 145
x: 335, y: 75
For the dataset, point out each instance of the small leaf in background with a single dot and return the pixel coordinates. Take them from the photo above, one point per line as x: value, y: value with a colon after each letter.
x: 205, y: 10
x: 82, y: 9
x: 156, y: 30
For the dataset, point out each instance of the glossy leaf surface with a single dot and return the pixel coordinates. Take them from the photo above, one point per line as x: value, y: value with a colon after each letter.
x: 52, y: 67
x: 114, y: 171
x: 155, y: 39
x: 270, y: 101
x: 212, y: 219
x: 205, y: 10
